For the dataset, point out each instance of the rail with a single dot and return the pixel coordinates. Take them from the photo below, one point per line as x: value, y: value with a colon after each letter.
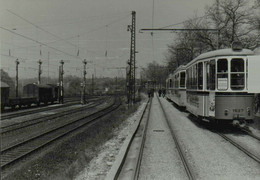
x: 188, y: 170
x: 12, y: 154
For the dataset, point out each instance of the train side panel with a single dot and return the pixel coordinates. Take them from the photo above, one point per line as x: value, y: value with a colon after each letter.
x: 254, y: 74
x: 195, y: 103
x: 182, y: 97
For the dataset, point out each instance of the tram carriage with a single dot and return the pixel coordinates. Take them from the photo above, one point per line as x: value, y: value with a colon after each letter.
x: 220, y: 85
x: 176, y: 86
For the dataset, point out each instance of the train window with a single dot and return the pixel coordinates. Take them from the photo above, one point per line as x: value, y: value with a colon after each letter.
x: 170, y: 83
x: 237, y: 65
x: 237, y: 74
x: 222, y: 65
x: 182, y: 79
x: 200, y: 75
x: 222, y: 74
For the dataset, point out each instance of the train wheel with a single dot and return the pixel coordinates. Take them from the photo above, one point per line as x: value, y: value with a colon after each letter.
x: 38, y: 103
x: 13, y: 107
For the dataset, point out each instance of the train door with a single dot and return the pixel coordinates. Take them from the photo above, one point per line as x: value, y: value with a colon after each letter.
x: 209, y: 101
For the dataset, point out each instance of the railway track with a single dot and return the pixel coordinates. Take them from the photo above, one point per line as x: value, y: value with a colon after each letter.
x: 69, y: 102
x: 250, y: 133
x: 13, y: 153
x: 132, y: 169
x: 187, y: 167
x: 119, y: 170
x: 237, y: 145
x: 35, y: 121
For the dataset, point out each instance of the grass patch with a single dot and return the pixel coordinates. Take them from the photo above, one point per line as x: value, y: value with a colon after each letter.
x: 67, y: 159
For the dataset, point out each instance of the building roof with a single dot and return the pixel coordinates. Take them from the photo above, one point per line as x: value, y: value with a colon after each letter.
x: 4, y: 85
x: 39, y: 85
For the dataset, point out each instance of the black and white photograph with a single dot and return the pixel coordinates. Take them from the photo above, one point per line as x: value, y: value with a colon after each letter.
x: 130, y: 89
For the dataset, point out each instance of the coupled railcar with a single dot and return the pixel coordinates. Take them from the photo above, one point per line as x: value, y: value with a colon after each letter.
x: 32, y: 94
x: 176, y: 87
x: 220, y: 85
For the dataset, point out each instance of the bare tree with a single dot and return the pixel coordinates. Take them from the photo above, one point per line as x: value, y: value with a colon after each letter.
x: 236, y: 20
x: 156, y: 72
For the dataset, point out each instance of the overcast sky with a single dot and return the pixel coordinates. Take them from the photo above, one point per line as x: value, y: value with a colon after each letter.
x: 92, y: 27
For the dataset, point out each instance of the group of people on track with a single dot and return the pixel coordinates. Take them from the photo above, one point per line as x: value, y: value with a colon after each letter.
x: 161, y: 92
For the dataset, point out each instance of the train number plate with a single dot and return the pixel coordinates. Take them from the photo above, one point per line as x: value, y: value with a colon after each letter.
x: 238, y: 110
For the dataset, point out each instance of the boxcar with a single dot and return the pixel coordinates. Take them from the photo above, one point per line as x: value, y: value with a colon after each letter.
x: 4, y: 94
x: 42, y: 93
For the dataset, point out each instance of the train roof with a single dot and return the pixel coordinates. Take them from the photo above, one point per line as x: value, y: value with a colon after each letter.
x: 180, y: 68
x: 52, y: 85
x: 4, y: 85
x: 39, y: 85
x: 222, y: 52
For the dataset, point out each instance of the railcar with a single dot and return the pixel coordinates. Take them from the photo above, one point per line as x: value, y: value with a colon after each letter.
x: 176, y: 87
x: 220, y: 85
x: 4, y: 94
x: 32, y: 94
x: 42, y: 93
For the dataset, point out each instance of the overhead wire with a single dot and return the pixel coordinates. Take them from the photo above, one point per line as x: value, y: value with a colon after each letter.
x: 44, y: 44
x: 60, y: 39
x: 181, y: 22
x: 38, y: 27
x: 65, y: 40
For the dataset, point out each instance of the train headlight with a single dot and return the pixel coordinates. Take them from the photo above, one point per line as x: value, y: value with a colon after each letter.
x: 226, y: 112
x: 248, y: 111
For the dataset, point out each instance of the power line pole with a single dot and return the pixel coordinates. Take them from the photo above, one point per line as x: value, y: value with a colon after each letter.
x: 83, y: 100
x: 131, y: 79
x: 48, y: 66
x: 16, y: 81
x: 61, y: 89
x: 40, y: 72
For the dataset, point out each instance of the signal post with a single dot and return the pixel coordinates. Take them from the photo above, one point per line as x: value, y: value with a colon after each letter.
x: 16, y: 79
x: 40, y: 72
x: 83, y: 98
x: 61, y: 89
